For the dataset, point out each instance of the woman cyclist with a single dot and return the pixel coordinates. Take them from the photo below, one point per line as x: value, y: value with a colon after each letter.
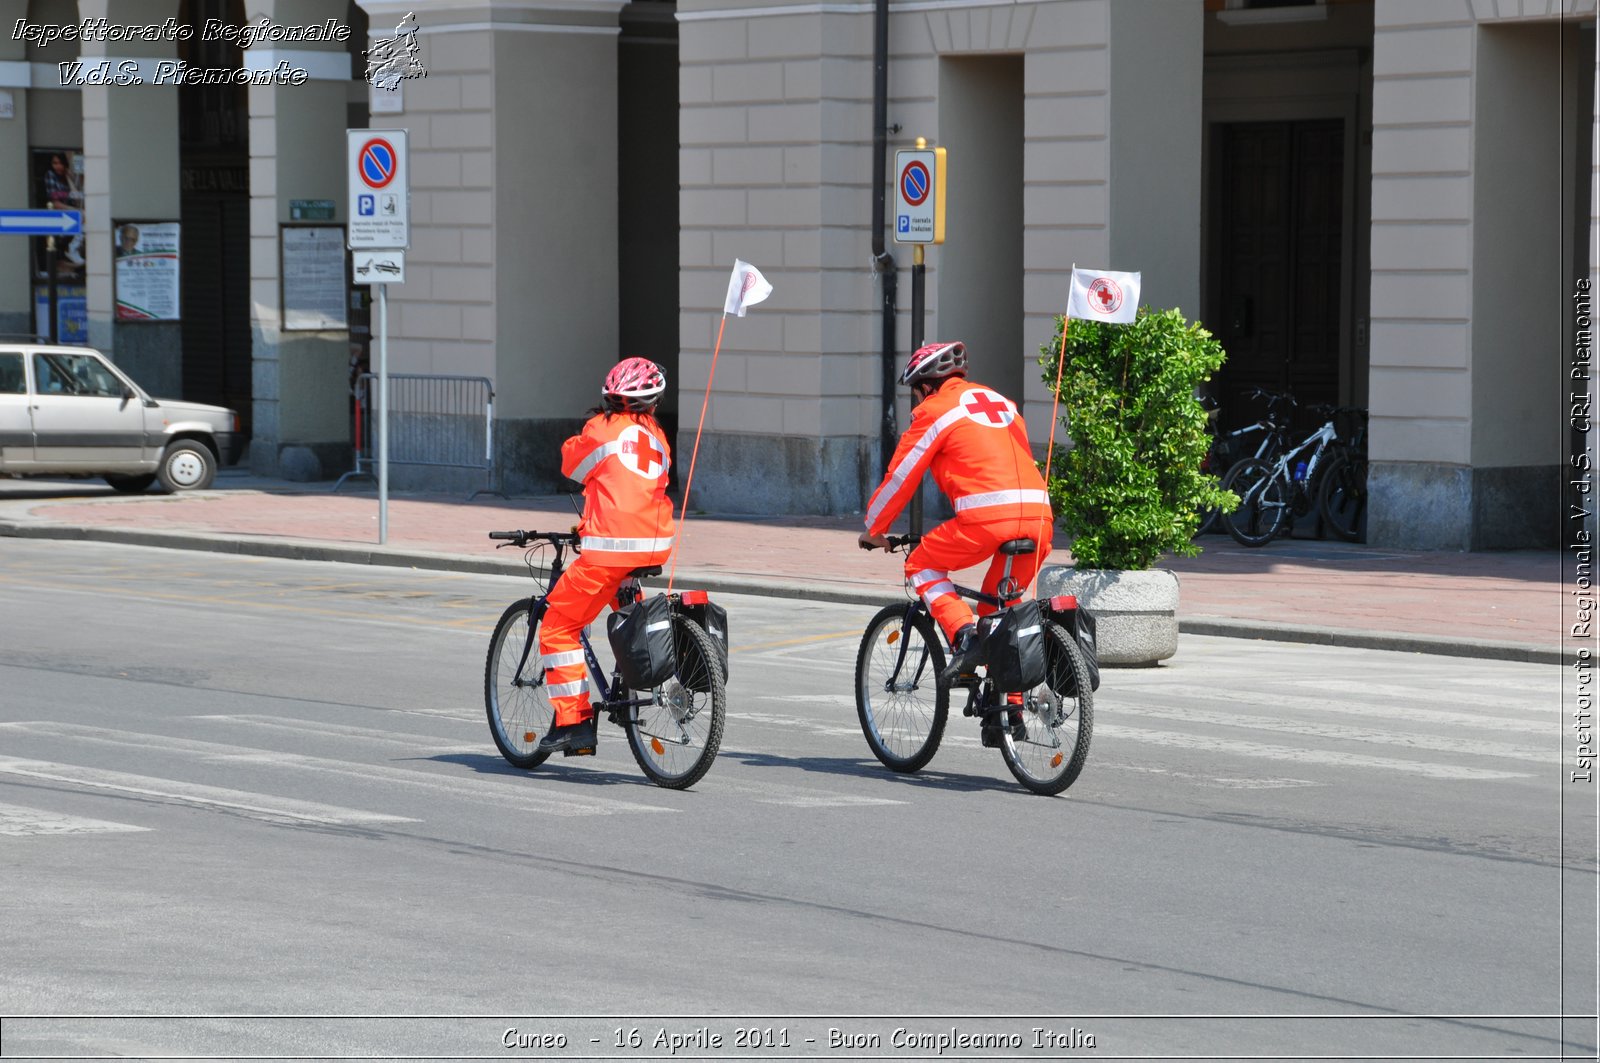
x: 621, y: 458
x: 973, y: 441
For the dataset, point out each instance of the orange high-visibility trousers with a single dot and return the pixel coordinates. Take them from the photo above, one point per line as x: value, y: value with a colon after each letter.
x: 583, y: 590
x: 955, y: 545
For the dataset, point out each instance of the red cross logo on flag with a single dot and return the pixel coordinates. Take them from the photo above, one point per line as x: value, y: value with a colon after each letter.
x: 987, y: 408
x: 641, y: 454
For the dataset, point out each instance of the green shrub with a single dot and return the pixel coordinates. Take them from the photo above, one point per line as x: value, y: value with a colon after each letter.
x: 1130, y: 487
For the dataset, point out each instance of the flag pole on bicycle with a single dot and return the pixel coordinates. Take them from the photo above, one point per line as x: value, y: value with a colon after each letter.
x: 1095, y: 295
x: 745, y: 288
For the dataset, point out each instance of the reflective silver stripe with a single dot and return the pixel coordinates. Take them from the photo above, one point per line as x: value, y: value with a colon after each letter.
x: 927, y: 575
x: 625, y: 546
x: 566, y: 690
x: 937, y: 590
x: 596, y: 456
x: 657, y: 626
x: 561, y: 660
x: 1000, y: 498
x: 901, y: 471
x: 1034, y: 630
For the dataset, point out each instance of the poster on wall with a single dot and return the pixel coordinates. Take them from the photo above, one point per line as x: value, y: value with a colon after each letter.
x: 72, y: 313
x: 58, y: 185
x: 314, y: 286
x: 145, y: 270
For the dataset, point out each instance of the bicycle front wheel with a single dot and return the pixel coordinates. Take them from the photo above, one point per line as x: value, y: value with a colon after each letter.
x: 1263, y: 503
x: 1342, y: 498
x: 1046, y: 749
x: 901, y: 703
x: 676, y: 737
x: 519, y: 706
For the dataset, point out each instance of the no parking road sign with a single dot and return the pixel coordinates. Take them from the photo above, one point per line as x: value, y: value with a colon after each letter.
x: 380, y: 209
x: 919, y: 196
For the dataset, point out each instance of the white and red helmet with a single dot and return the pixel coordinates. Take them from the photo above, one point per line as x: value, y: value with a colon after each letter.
x: 635, y: 383
x: 935, y: 361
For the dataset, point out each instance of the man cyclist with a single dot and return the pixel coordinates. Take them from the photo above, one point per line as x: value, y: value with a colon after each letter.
x: 621, y: 458
x: 973, y: 441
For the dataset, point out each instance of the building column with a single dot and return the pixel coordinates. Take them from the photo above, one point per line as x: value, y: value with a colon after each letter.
x: 300, y: 377
x: 16, y: 302
x: 131, y: 172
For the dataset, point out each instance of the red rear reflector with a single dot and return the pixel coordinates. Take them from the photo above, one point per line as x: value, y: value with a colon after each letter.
x: 1062, y: 602
x: 695, y: 597
x: 660, y: 750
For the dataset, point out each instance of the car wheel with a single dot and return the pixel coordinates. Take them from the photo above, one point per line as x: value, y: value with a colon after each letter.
x: 131, y: 485
x: 187, y: 466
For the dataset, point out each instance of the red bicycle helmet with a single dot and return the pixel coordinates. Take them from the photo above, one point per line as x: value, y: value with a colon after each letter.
x: 935, y: 361
x: 635, y: 383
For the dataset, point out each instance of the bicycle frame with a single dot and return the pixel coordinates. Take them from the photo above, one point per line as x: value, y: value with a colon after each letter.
x: 1320, y: 439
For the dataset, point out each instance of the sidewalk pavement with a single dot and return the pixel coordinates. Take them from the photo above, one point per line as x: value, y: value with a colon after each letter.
x: 1506, y: 605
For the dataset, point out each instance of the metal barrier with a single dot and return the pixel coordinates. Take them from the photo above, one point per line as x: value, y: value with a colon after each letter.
x: 442, y: 421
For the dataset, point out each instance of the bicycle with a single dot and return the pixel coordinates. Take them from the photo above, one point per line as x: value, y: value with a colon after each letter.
x: 1044, y: 739
x: 674, y: 730
x: 1271, y: 492
x: 1342, y: 496
x: 1228, y: 448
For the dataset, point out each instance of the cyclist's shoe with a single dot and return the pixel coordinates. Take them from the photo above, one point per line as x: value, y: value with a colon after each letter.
x: 573, y: 740
x: 965, y: 659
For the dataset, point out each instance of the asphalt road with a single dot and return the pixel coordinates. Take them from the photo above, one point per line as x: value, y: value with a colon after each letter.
x: 256, y: 800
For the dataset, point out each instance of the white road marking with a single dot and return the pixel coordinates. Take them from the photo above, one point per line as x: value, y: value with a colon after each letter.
x: 523, y: 794
x: 17, y: 821
x: 256, y: 806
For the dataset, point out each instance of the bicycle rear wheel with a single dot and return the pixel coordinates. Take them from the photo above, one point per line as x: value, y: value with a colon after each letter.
x: 676, y: 737
x: 1048, y: 751
x: 901, y: 703
x: 1342, y: 498
x: 519, y: 709
x: 1263, y: 503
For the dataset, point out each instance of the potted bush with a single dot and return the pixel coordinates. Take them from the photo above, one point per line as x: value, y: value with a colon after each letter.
x: 1128, y: 487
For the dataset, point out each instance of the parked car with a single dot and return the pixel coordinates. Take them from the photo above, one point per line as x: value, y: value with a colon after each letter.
x: 67, y: 411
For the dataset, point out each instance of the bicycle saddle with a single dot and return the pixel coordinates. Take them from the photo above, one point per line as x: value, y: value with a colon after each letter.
x: 648, y: 570
x: 1018, y: 546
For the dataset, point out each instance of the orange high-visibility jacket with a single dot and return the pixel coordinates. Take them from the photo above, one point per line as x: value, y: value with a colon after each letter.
x: 622, y: 460
x: 973, y: 440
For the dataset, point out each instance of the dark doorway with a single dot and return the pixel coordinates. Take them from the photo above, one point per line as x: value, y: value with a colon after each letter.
x: 214, y: 239
x: 1277, y: 264
x: 647, y: 203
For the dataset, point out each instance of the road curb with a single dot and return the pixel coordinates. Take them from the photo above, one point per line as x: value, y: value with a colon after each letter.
x: 306, y: 550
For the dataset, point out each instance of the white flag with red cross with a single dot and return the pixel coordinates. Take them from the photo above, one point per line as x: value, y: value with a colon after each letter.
x: 746, y: 288
x: 1103, y: 295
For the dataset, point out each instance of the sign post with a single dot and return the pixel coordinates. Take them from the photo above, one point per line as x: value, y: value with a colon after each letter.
x: 49, y: 224
x: 380, y: 220
x: 919, y: 220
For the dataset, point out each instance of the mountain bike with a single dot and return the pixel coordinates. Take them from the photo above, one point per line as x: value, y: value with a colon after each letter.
x: 1228, y: 448
x: 674, y: 730
x: 1272, y: 492
x: 1342, y: 496
x: 1042, y: 731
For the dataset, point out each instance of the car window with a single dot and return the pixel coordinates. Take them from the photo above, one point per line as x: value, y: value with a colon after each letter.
x: 12, y: 381
x: 74, y: 374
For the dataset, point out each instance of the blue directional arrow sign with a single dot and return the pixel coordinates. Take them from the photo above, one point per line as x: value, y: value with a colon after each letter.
x: 41, y: 222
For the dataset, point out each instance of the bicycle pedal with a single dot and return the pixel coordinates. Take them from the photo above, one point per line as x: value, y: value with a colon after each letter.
x: 586, y: 751
x: 990, y: 736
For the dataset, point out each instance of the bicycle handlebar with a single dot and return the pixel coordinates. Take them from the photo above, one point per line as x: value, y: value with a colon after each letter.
x: 896, y: 542
x: 523, y: 538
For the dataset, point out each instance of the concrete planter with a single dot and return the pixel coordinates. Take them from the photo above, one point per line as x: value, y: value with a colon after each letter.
x: 1136, y: 612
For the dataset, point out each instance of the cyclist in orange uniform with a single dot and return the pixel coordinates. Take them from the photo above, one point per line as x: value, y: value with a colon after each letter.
x: 621, y: 458
x: 973, y: 441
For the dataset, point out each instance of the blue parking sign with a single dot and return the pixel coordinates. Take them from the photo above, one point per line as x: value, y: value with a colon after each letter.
x: 904, y: 223
x: 366, y: 205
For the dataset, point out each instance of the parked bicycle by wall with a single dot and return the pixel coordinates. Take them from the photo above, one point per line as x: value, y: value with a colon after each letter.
x: 1258, y: 440
x: 1273, y: 492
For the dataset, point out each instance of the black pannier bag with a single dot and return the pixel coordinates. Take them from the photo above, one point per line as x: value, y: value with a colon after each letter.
x: 1082, y: 632
x: 1013, y: 647
x: 641, y: 638
x: 714, y: 619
